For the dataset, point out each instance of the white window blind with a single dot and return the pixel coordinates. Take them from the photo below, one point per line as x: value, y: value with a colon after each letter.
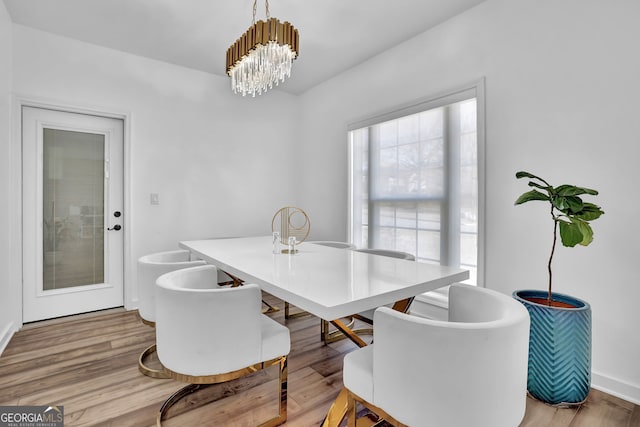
x: 415, y: 180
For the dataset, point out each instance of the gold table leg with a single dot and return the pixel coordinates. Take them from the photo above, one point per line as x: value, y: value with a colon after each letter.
x: 348, y: 332
x: 403, y: 305
x: 327, y: 336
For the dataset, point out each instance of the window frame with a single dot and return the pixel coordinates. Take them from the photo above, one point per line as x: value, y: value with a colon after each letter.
x: 473, y: 89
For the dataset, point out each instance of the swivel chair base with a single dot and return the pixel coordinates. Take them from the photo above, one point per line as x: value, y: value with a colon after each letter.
x: 201, y: 382
x: 150, y: 372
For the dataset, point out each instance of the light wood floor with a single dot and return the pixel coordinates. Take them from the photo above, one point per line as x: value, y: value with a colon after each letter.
x: 88, y: 364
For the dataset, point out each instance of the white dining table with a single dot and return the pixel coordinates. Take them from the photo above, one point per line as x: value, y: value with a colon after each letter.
x: 330, y: 283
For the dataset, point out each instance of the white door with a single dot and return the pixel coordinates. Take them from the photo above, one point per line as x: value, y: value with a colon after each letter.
x: 72, y: 213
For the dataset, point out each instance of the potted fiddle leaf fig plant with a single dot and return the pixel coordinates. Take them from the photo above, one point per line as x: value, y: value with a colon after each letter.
x: 560, y: 339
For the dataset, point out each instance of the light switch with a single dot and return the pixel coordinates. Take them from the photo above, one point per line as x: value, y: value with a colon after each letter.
x: 155, y: 199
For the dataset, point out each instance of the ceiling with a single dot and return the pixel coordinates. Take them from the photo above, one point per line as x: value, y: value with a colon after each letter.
x: 334, y: 34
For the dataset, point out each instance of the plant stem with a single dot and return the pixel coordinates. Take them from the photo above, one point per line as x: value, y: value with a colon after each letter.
x: 553, y: 249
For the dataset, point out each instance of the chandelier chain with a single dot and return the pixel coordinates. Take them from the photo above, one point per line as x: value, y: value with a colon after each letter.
x: 255, y: 9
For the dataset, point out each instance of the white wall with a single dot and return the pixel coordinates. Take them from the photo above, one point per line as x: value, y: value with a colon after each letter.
x: 216, y: 160
x: 562, y: 92
x: 7, y: 308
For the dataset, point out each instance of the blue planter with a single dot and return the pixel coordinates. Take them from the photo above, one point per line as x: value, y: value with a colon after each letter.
x: 559, y: 349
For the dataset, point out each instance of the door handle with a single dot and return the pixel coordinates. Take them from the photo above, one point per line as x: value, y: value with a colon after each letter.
x: 116, y: 227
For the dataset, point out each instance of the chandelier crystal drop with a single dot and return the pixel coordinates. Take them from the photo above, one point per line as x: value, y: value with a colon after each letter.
x: 262, y: 56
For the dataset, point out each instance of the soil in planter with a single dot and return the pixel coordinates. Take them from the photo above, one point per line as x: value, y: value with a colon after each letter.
x: 554, y: 303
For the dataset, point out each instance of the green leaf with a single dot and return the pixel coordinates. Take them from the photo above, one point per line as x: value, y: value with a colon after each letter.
x: 585, y: 229
x: 560, y: 203
x: 575, y: 203
x: 523, y: 174
x: 569, y: 204
x: 543, y: 187
x: 572, y: 190
x: 570, y: 234
x: 531, y: 195
x: 589, y: 212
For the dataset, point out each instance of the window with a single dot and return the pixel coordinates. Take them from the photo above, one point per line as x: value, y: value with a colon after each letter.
x: 416, y: 180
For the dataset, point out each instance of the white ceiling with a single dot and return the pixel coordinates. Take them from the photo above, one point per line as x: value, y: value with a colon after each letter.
x: 334, y: 34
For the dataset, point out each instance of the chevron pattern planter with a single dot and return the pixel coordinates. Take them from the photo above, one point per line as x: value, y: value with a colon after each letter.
x: 559, y: 349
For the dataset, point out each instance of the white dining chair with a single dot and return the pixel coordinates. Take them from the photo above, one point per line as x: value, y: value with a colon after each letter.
x: 208, y: 335
x: 329, y: 336
x: 388, y: 252
x: 150, y: 267
x: 333, y: 244
x: 468, y: 371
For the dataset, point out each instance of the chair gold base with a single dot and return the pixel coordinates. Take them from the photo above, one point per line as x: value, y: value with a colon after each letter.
x: 270, y: 308
x: 200, y: 382
x: 153, y: 373
x: 352, y: 421
x: 289, y: 315
x: 147, y: 322
x: 338, y: 410
x: 345, y: 406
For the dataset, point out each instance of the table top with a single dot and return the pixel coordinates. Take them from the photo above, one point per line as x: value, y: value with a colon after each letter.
x: 328, y: 282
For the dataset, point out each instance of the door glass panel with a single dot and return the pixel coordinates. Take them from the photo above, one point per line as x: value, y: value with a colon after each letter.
x: 73, y: 209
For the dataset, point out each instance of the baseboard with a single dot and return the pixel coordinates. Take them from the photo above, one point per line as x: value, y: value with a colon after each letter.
x: 5, y: 336
x: 616, y: 387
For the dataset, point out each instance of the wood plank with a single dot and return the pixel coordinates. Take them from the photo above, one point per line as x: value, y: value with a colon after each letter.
x: 251, y: 407
x: 70, y: 375
x: 604, y: 410
x: 79, y: 416
x: 92, y: 391
x: 309, y: 389
x: 634, y: 419
x: 62, y: 343
x: 540, y: 414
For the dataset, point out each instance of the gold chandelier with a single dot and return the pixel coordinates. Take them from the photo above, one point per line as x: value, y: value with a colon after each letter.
x: 263, y: 55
